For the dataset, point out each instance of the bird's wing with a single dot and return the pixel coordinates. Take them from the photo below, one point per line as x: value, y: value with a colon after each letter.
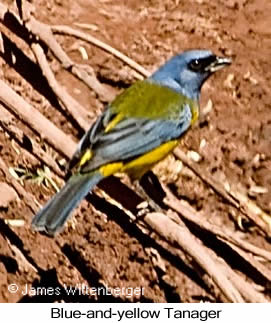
x: 123, y: 133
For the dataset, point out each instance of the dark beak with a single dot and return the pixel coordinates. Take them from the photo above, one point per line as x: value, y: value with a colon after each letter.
x: 218, y: 64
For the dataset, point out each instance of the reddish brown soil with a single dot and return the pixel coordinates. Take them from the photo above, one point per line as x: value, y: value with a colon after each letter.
x: 103, y: 250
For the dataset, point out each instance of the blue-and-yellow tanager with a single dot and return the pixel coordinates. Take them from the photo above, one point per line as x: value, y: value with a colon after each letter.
x: 139, y: 128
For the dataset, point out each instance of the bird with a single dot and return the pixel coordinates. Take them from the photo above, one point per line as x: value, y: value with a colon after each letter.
x: 139, y: 128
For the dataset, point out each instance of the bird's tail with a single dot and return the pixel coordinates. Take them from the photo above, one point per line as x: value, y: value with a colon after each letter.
x: 52, y: 217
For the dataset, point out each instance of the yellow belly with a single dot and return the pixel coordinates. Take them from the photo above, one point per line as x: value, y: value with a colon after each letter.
x: 137, y: 167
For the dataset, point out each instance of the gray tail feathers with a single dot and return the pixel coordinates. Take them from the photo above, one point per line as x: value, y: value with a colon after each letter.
x: 52, y: 217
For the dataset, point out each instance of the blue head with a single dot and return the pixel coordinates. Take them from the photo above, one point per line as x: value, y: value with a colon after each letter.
x: 187, y: 72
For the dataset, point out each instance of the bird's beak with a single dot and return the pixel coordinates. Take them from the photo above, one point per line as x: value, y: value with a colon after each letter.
x: 219, y: 63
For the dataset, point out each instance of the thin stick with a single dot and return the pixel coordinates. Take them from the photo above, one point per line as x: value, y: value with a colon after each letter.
x: 225, y: 236
x: 262, y: 270
x: 245, y: 288
x: 174, y: 233
x: 27, y: 197
x: 66, y: 30
x: 36, y: 121
x: 43, y: 32
x: 192, y: 215
x: 75, y: 109
x: 180, y: 235
x: 8, y: 126
x: 251, y: 210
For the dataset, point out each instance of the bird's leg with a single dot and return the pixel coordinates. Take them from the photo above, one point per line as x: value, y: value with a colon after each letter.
x: 150, y: 189
x: 145, y: 206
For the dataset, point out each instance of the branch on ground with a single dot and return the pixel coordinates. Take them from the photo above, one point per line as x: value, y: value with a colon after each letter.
x: 170, y: 228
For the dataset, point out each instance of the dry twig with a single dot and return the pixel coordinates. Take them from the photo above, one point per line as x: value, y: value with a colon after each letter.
x: 66, y: 30
x: 35, y: 120
x: 248, y: 208
x: 243, y: 248
x: 75, y: 109
x: 44, y: 33
x: 179, y: 235
x: 27, y: 197
x: 174, y: 232
x: 35, y: 150
x: 226, y: 235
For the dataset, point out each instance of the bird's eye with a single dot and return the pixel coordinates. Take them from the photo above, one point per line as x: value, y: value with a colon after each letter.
x: 195, y: 65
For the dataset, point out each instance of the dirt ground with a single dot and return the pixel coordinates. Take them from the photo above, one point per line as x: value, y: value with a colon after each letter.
x: 100, y: 249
